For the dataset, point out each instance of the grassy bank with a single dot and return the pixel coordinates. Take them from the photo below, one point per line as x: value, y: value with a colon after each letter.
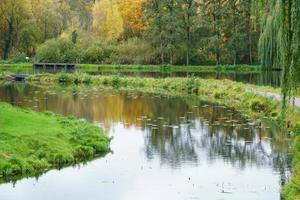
x: 32, y: 143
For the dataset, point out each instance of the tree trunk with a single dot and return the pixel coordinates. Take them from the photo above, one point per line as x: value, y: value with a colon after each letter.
x: 8, y: 39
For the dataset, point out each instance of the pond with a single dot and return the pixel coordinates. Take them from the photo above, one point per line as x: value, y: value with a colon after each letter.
x: 163, y: 148
x: 258, y: 78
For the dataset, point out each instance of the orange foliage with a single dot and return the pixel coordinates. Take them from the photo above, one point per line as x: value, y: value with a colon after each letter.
x: 132, y: 14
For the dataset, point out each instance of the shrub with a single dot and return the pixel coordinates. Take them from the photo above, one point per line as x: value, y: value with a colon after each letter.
x: 94, y: 54
x: 19, y: 59
x: 258, y: 105
x: 57, y: 50
x: 134, y: 51
x: 82, y: 78
x: 192, y: 85
x: 219, y: 95
x: 65, y: 78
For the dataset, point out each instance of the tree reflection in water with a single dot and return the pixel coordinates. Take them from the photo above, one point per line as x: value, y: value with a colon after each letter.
x: 177, y: 131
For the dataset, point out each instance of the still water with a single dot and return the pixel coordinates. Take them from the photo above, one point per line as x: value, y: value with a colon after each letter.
x: 270, y: 78
x: 163, y: 148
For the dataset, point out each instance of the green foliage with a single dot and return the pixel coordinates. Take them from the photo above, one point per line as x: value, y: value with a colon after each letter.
x: 291, y: 190
x: 279, y: 43
x: 57, y: 50
x: 94, y: 54
x: 135, y: 51
x: 21, y: 58
x: 258, y: 105
x: 74, y: 37
x: 192, y: 85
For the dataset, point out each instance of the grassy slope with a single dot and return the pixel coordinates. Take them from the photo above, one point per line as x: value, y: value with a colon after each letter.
x: 31, y: 143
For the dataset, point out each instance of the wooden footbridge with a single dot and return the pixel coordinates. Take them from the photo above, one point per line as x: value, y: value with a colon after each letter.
x: 53, y: 67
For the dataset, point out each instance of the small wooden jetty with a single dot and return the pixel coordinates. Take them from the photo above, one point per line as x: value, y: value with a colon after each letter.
x: 54, y: 67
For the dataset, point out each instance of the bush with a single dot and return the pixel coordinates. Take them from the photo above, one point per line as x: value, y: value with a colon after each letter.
x: 134, y: 51
x: 192, y: 85
x: 258, y: 105
x: 19, y: 59
x: 57, y: 50
x: 94, y: 54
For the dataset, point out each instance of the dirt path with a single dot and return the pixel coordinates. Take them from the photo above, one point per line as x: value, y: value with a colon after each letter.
x: 278, y: 97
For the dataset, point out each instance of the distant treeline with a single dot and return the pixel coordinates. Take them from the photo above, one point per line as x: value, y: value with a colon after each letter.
x: 130, y: 31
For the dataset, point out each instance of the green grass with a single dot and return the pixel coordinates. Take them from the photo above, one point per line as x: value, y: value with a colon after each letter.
x: 32, y: 143
x: 23, y: 65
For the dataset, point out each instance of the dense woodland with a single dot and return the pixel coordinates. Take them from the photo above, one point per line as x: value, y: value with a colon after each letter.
x: 131, y: 31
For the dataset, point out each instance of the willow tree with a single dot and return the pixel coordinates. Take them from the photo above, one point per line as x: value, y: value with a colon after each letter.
x: 280, y: 42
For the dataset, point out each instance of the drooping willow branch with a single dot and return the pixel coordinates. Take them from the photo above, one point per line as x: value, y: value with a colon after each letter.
x: 279, y: 44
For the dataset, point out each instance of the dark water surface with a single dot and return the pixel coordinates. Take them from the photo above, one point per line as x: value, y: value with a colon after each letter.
x: 163, y: 148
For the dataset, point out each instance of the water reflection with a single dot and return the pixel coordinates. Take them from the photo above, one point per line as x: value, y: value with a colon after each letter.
x: 177, y: 133
x: 268, y: 78
x: 175, y: 130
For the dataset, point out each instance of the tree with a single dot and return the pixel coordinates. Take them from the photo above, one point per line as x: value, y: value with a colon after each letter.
x: 279, y: 43
x: 189, y: 8
x: 213, y: 12
x: 12, y: 14
x: 165, y: 27
x: 132, y: 14
x: 107, y: 20
x: 155, y: 31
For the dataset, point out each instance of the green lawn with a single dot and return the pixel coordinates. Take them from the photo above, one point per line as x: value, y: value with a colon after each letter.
x: 31, y: 142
